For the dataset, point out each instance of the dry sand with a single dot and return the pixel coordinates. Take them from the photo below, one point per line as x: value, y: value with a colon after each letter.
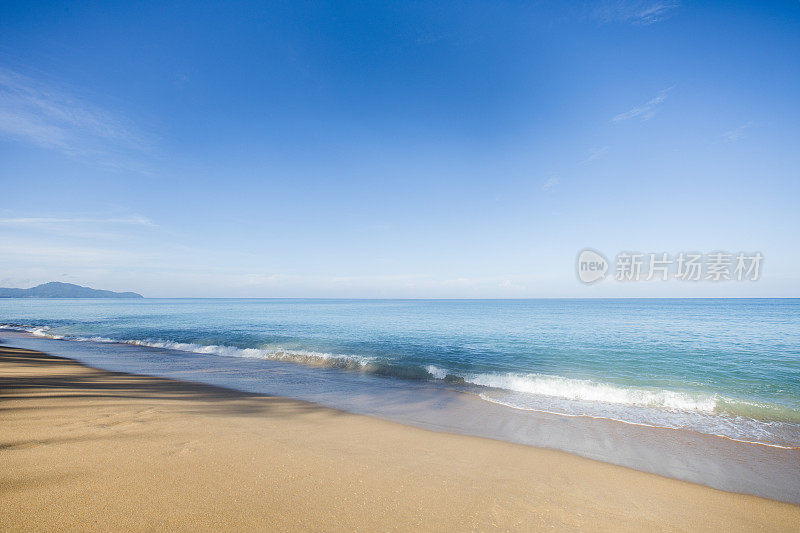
x: 85, y: 449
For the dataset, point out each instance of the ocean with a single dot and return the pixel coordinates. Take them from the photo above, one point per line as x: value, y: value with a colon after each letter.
x: 727, y: 369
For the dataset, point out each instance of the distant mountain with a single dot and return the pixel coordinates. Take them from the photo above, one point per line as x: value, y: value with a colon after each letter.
x: 55, y: 289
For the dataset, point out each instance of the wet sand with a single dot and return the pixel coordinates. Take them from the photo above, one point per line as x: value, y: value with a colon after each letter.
x: 82, y: 448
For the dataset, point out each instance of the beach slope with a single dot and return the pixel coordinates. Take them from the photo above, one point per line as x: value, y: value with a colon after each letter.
x: 85, y: 449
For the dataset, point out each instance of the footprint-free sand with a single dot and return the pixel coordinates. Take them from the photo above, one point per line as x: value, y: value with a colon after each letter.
x: 86, y: 449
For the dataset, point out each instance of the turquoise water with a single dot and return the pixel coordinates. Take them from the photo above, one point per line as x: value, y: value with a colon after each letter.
x: 723, y: 367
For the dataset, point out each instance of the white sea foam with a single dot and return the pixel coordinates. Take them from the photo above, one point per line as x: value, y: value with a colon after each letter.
x: 436, y: 372
x: 275, y: 354
x: 773, y: 434
x: 585, y: 390
x: 591, y: 391
x: 711, y: 413
x: 42, y: 332
x: 296, y: 356
x: 535, y: 385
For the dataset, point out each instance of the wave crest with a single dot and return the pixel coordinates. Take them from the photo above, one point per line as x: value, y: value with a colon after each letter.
x: 536, y: 385
x: 590, y: 391
x: 354, y: 362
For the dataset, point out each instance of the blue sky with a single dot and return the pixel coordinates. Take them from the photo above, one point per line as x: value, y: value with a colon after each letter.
x: 399, y: 149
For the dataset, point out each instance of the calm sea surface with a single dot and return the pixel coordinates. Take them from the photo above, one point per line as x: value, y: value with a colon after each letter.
x: 723, y: 367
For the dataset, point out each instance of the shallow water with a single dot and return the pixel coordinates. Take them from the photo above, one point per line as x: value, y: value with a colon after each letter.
x: 721, y: 367
x: 700, y: 390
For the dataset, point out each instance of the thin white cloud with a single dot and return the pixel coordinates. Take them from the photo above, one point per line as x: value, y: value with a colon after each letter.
x: 110, y: 229
x: 52, y: 118
x: 551, y: 184
x: 654, y: 13
x: 594, y: 153
x: 737, y: 134
x: 136, y: 220
x: 639, y: 12
x: 645, y: 111
x: 19, y: 252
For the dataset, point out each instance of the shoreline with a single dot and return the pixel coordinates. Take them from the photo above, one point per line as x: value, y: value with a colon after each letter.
x: 193, y: 455
x: 636, y: 415
x: 682, y: 454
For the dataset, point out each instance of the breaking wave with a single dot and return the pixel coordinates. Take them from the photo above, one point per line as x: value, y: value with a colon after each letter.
x: 526, y: 386
x: 590, y: 391
x: 352, y: 362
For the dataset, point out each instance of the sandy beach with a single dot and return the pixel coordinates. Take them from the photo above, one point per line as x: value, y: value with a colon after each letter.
x: 85, y: 449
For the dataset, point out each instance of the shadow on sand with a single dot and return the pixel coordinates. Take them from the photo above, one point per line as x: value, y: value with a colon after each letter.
x: 66, y: 378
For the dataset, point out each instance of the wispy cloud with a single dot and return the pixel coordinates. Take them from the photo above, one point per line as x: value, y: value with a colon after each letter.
x: 19, y: 252
x: 640, y: 12
x: 136, y: 220
x: 737, y: 134
x: 551, y: 184
x: 594, y: 153
x: 52, y: 118
x: 645, y: 111
x: 109, y: 229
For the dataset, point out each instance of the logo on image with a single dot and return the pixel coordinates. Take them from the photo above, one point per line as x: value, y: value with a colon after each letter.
x: 592, y: 266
